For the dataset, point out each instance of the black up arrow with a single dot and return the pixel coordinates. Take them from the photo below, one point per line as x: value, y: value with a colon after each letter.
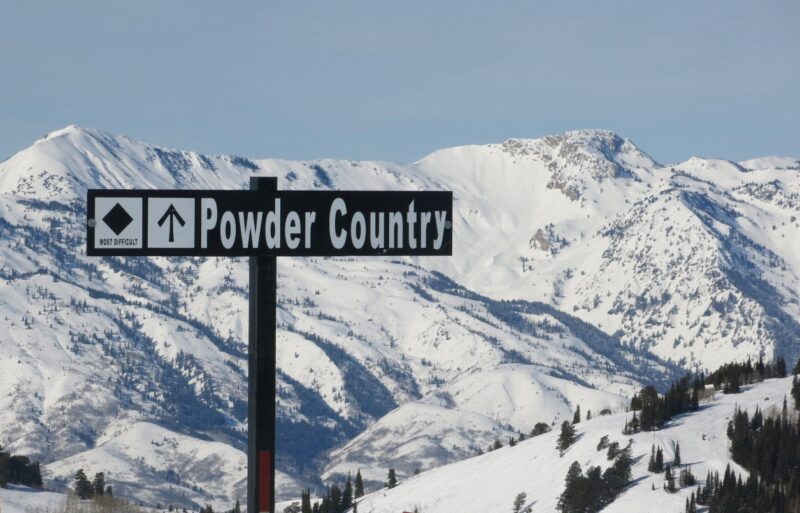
x: 173, y: 216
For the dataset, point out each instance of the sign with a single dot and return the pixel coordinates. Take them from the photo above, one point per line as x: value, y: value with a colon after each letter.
x: 264, y: 223
x: 268, y: 223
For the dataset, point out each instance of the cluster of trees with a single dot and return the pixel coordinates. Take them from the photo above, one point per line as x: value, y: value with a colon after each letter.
x: 730, y: 377
x: 592, y: 491
x: 656, y: 463
x: 684, y: 394
x: 576, y: 417
x: 337, y: 500
x: 237, y: 508
x: 685, y: 478
x: 731, y: 493
x: 769, y: 447
x: 654, y: 410
x: 85, y: 489
x: 675, y: 476
x: 20, y: 470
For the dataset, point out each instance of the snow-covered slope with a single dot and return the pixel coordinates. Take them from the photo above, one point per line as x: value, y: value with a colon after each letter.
x: 20, y: 499
x: 591, y: 241
x: 490, y: 482
x: 697, y: 262
x: 464, y: 416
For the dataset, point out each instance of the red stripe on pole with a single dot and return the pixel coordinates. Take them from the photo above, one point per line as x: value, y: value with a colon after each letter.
x: 265, y: 482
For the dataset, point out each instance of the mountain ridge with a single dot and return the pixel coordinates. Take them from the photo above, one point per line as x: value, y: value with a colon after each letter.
x: 588, y: 267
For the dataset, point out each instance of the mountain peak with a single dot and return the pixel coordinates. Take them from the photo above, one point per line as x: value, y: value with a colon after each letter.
x: 770, y: 162
x: 69, y: 130
x: 596, y: 134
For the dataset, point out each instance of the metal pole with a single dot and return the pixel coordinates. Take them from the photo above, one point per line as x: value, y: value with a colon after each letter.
x: 261, y: 376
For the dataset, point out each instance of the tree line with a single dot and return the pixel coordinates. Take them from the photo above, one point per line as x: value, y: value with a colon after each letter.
x: 338, y: 500
x: 655, y: 410
x: 732, y: 376
x: 731, y: 493
x: 651, y: 410
x: 16, y: 469
x: 769, y: 448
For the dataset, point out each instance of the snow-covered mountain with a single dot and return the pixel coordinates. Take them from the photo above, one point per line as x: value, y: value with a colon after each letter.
x: 579, y: 266
x: 490, y: 482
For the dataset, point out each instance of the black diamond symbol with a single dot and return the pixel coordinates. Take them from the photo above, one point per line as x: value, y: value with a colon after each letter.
x: 117, y: 219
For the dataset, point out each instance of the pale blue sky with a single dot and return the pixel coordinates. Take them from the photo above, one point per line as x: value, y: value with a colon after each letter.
x: 396, y: 80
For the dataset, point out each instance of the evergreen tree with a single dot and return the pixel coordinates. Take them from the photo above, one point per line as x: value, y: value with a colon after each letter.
x: 651, y: 463
x: 359, y: 492
x: 659, y: 460
x: 633, y: 425
x: 589, y: 415
x: 571, y: 496
x: 109, y: 491
x: 4, y: 473
x: 577, y: 417
x: 99, y: 484
x: 83, y: 488
x: 566, y: 437
x: 691, y: 505
x: 686, y: 478
x: 347, y: 495
x: 539, y: 429
x: 796, y: 392
x: 519, y: 502
x: 669, y: 479
x: 613, y: 451
x: 618, y: 475
x: 677, y: 459
x: 392, y: 479
x: 305, y: 501
x: 636, y: 403
x: 237, y: 508
x: 780, y: 368
x: 335, y: 499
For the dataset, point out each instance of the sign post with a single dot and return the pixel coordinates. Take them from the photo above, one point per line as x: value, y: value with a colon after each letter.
x: 261, y: 376
x: 264, y: 223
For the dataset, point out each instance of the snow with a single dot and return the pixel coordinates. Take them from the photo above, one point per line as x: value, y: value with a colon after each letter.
x: 466, y: 415
x: 185, y: 462
x: 489, y: 483
x: 20, y: 499
x: 680, y: 261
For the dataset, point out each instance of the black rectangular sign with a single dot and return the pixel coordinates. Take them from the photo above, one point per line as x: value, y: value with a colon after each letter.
x: 264, y: 223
